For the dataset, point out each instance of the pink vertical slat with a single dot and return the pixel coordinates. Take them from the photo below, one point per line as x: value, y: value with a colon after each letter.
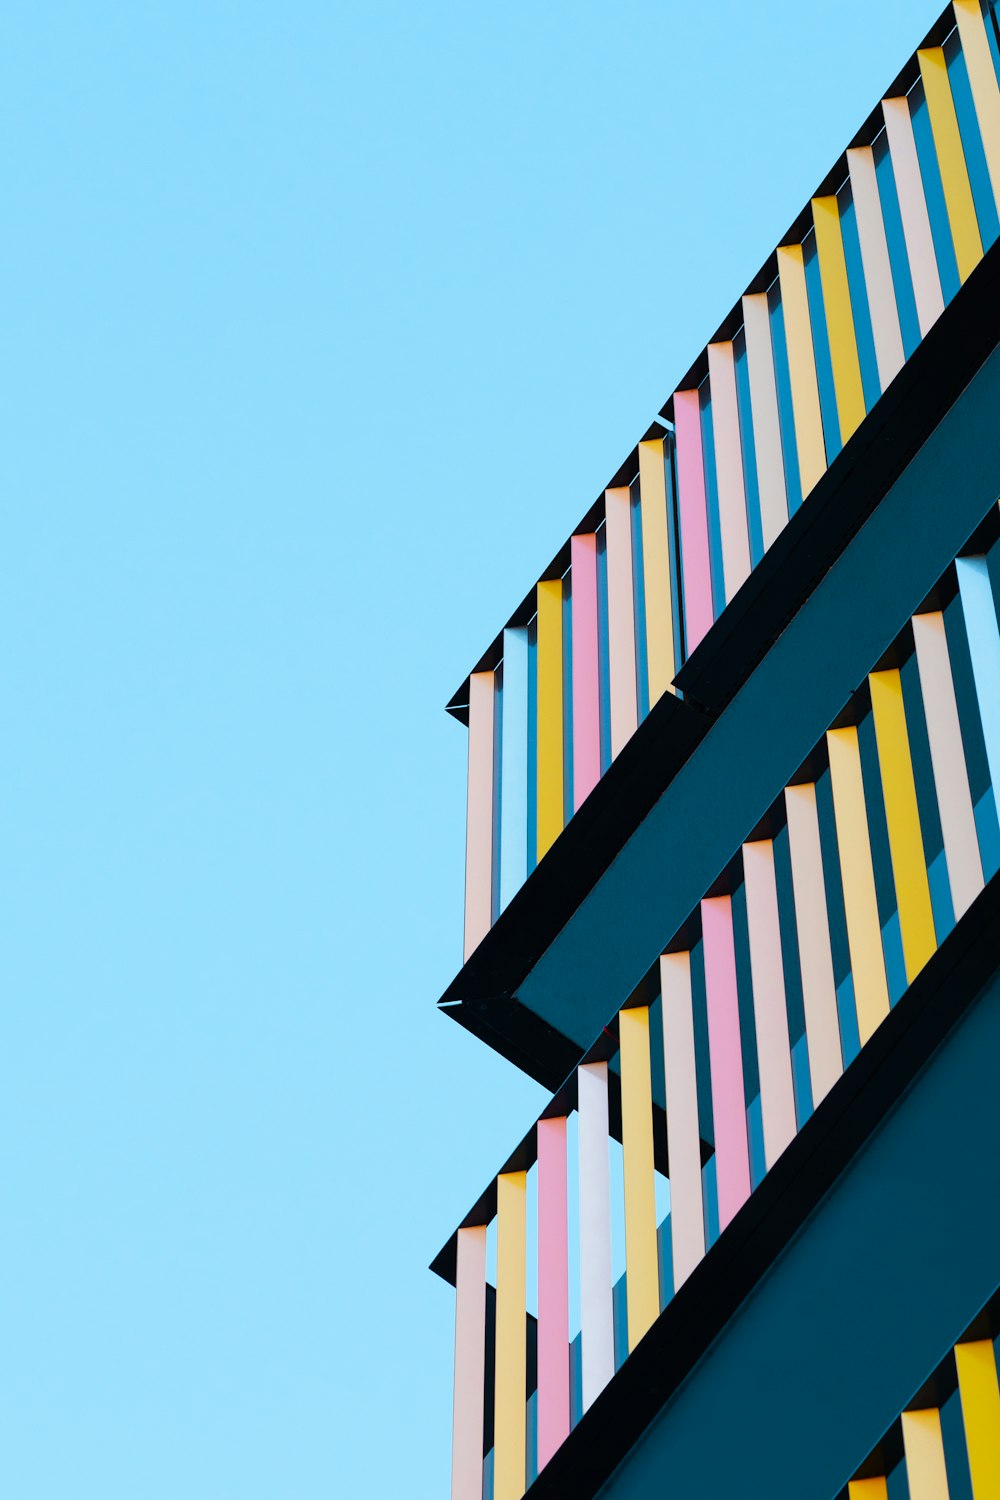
x: 621, y: 617
x: 479, y: 817
x: 696, y: 566
x: 470, y: 1364
x: 586, y: 682
x: 732, y: 1151
x: 729, y: 467
x: 553, y: 1290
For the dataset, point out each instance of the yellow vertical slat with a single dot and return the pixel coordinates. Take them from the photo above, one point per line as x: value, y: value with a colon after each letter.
x: 641, y: 1265
x: 926, y: 1475
x: 867, y: 1489
x: 510, y: 1396
x: 550, y: 714
x: 951, y: 159
x: 980, y: 1396
x: 802, y: 366
x: 849, y: 390
x: 983, y: 82
x: 864, y: 934
x: 660, y: 664
x: 906, y: 846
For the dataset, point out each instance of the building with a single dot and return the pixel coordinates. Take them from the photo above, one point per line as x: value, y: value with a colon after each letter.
x: 732, y: 889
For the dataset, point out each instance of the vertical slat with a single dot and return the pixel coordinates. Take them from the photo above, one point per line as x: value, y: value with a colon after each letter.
x: 867, y: 1489
x: 470, y: 1364
x: 695, y: 558
x: 766, y: 422
x: 951, y: 776
x: 984, y: 648
x: 732, y: 1154
x: 906, y: 846
x: 511, y: 1392
x: 641, y: 1263
x: 550, y: 713
x: 886, y: 331
x: 729, y: 468
x: 802, y: 366
x: 774, y: 1055
x: 923, y: 1444
x: 586, y: 670
x: 621, y: 617
x: 951, y: 159
x: 913, y: 212
x: 839, y: 316
x: 812, y: 921
x: 657, y: 580
x: 687, y: 1216
x: 479, y: 813
x: 514, y: 764
x: 977, y: 1383
x: 553, y: 1290
x: 983, y: 82
x: 864, y: 934
x: 596, y: 1315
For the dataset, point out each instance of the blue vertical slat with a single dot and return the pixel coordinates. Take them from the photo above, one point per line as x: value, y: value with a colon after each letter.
x: 930, y: 173
x: 859, y: 302
x: 639, y: 604
x: 665, y: 1248
x: 802, y: 1080
x: 567, y: 687
x: 993, y: 35
x: 755, y: 1136
x: 902, y: 282
x: 532, y: 745
x: 821, y: 347
x: 972, y: 142
x: 710, y: 1199
x: 603, y: 665
x: 847, y: 1012
x: 750, y: 485
x: 619, y: 1307
x: 495, y: 904
x: 674, y: 543
x: 984, y: 649
x: 786, y: 415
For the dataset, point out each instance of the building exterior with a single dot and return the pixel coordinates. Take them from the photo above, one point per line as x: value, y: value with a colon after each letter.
x: 732, y: 886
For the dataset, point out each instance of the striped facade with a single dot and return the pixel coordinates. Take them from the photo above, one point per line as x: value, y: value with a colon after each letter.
x: 784, y: 968
x: 900, y: 223
x: 771, y: 988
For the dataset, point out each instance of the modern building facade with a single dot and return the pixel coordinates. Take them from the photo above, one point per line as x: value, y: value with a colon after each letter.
x: 732, y: 886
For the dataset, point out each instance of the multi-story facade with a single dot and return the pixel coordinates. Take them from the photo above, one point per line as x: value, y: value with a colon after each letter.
x: 732, y: 885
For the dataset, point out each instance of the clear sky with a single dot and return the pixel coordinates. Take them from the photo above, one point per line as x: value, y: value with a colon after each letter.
x: 321, y: 326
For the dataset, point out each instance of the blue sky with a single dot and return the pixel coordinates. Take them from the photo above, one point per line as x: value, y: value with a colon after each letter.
x: 321, y: 326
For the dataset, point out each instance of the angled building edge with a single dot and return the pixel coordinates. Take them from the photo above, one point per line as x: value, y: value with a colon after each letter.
x: 902, y: 498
